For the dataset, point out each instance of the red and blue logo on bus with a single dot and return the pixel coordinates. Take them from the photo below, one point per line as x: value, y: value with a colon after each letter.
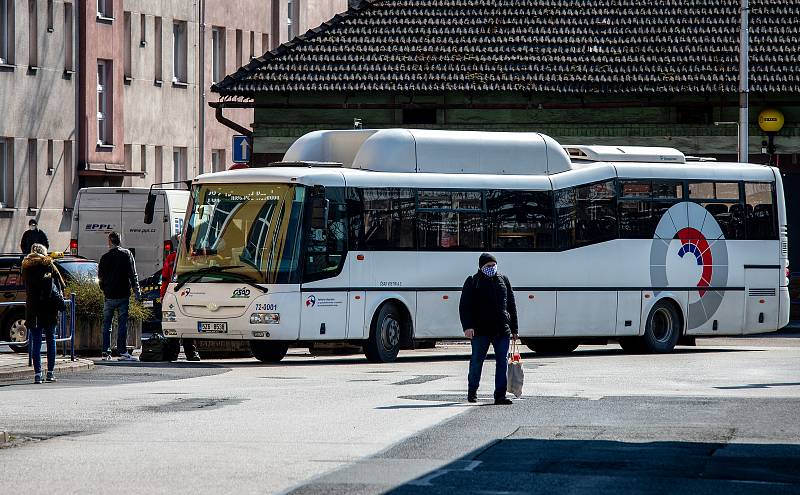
x: 688, y: 229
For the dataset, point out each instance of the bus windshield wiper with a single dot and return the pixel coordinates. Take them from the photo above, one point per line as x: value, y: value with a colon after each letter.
x: 249, y: 281
x: 196, y: 274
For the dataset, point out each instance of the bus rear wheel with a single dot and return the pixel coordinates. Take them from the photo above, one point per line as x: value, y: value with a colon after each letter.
x: 383, y: 344
x: 663, y: 329
x: 268, y: 352
x: 552, y: 347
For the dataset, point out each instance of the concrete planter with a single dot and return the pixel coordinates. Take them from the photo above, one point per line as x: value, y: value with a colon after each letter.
x: 89, y: 337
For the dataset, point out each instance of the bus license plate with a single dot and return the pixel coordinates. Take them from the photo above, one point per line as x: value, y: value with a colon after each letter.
x: 212, y: 327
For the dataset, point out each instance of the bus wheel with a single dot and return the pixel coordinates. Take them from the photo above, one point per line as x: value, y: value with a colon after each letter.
x: 268, y: 352
x: 663, y: 328
x: 552, y: 347
x: 384, y: 336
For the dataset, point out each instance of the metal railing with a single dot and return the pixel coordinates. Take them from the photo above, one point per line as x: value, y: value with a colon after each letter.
x: 65, y: 330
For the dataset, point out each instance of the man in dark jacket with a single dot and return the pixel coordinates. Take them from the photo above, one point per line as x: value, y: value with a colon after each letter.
x: 33, y: 236
x: 117, y: 274
x: 488, y: 316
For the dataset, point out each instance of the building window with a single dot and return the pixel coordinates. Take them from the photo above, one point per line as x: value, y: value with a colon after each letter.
x: 265, y: 43
x: 252, y: 44
x: 103, y: 102
x: 49, y: 16
x: 128, y: 157
x: 239, y: 48
x: 179, y: 47
x: 33, y: 35
x: 6, y: 31
x: 217, y: 54
x: 143, y: 159
x: 6, y: 171
x: 50, y: 157
x: 179, y: 168
x: 142, y: 30
x: 69, y: 65
x: 157, y: 48
x: 217, y: 160
x: 104, y: 9
x: 33, y: 174
x: 291, y: 19
x: 159, y: 164
x: 68, y: 175
x: 127, y: 45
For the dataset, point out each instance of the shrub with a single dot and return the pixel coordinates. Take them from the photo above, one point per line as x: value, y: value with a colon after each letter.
x: 89, y: 301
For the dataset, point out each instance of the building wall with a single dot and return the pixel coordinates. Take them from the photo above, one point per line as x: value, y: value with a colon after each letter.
x: 38, y: 113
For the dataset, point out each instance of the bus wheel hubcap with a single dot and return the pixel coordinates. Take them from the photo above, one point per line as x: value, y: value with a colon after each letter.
x: 662, y: 325
x: 18, y: 332
x: 390, y: 331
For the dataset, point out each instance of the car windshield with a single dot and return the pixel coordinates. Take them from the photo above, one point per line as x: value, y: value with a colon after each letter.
x: 242, y: 232
x: 79, y: 269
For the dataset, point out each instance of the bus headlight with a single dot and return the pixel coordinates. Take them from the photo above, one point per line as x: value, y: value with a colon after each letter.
x: 168, y: 316
x: 269, y: 318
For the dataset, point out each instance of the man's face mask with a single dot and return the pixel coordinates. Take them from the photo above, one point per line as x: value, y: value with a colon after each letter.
x: 489, y: 270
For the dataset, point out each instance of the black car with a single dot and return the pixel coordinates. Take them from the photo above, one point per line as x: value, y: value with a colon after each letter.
x: 12, y: 316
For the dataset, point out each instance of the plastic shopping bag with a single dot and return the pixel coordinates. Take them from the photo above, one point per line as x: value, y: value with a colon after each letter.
x: 516, y: 376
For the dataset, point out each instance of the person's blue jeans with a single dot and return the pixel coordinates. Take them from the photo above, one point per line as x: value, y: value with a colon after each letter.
x: 480, y: 347
x: 36, y: 348
x: 110, y: 306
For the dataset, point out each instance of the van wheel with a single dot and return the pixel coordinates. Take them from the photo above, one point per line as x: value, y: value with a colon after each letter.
x: 663, y: 328
x: 383, y: 344
x: 268, y: 352
x: 15, y: 331
x: 552, y: 347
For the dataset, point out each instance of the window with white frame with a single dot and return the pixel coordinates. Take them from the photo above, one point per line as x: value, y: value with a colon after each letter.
x: 103, y: 102
x: 217, y: 160
x: 217, y: 54
x: 104, y: 8
x: 179, y: 47
x: 179, y: 164
x: 5, y: 161
x: 6, y: 23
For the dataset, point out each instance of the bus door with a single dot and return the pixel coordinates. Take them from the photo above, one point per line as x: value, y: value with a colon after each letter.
x: 762, y: 308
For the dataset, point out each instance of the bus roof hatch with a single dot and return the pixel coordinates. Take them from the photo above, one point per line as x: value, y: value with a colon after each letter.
x: 645, y: 154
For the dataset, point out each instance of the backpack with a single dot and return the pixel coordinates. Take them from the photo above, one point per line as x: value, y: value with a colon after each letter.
x: 50, y: 292
x: 154, y: 349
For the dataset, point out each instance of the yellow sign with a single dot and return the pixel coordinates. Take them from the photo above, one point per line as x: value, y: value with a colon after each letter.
x: 770, y: 120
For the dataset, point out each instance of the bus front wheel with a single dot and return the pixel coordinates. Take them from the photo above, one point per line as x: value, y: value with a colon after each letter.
x: 551, y: 347
x: 383, y: 344
x: 268, y: 352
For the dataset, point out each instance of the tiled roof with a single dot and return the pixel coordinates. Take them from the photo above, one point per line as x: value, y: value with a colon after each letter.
x: 561, y: 46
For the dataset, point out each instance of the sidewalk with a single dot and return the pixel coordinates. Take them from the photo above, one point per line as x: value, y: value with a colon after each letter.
x: 14, y: 366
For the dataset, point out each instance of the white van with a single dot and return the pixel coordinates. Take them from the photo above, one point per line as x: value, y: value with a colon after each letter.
x: 100, y: 210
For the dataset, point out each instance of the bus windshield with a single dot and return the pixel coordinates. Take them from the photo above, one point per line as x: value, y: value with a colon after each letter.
x: 242, y: 233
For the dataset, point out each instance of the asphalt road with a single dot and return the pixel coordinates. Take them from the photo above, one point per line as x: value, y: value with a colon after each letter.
x: 719, y: 417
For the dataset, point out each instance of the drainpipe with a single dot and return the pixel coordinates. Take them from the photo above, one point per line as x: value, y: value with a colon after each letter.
x: 236, y: 127
x: 744, y: 83
x: 202, y: 88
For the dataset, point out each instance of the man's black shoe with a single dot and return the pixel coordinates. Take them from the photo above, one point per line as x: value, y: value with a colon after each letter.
x: 472, y: 397
x: 505, y: 401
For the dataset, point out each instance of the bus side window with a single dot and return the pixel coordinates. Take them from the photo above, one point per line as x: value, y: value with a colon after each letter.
x: 565, y: 200
x: 519, y: 220
x: 596, y: 213
x: 388, y: 219
x: 723, y: 203
x: 762, y: 223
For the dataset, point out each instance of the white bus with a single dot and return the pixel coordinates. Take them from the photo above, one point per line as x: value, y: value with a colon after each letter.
x: 366, y: 237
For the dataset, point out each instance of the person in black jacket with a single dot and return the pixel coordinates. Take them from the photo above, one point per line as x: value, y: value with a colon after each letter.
x: 488, y: 316
x: 117, y: 274
x: 33, y: 236
x: 41, y: 314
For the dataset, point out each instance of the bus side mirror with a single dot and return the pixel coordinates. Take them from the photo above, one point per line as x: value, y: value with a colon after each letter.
x: 149, y: 209
x: 319, y: 213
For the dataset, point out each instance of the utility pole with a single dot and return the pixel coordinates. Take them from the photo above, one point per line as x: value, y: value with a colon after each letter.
x: 744, y: 82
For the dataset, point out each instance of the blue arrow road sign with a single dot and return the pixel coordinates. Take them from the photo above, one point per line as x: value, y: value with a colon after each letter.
x: 241, y: 149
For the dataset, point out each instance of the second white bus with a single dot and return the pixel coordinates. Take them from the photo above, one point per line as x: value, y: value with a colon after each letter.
x: 366, y: 237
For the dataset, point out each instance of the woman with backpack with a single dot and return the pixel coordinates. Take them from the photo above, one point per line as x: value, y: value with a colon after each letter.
x: 43, y: 300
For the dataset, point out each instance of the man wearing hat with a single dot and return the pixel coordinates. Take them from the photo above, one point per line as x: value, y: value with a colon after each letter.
x: 489, y: 317
x: 33, y: 236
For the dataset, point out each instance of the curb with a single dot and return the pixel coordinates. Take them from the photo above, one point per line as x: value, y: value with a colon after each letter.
x: 22, y: 372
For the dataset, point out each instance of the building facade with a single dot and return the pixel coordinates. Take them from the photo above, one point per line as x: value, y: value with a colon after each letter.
x: 115, y: 93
